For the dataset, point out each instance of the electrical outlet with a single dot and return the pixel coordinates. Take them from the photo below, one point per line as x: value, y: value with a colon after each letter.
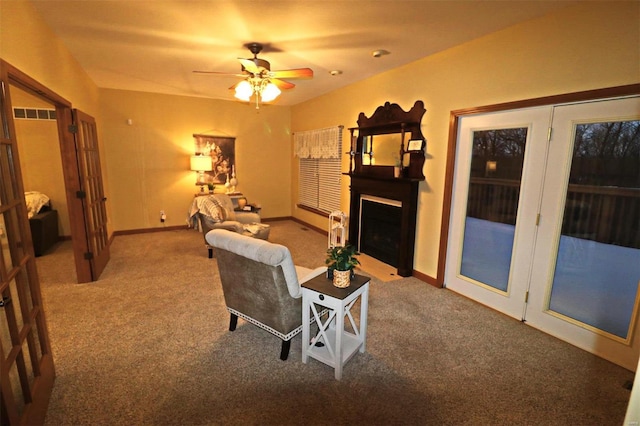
x: 163, y: 216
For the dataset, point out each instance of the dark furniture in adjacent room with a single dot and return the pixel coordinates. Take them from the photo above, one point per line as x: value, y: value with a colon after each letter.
x: 44, y: 229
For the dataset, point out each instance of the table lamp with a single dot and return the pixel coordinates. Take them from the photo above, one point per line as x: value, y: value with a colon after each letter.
x: 201, y: 164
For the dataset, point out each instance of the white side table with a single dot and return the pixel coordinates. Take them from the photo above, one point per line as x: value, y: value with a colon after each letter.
x: 333, y: 345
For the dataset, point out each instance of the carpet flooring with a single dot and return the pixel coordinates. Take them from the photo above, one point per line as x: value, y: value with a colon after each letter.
x: 148, y: 344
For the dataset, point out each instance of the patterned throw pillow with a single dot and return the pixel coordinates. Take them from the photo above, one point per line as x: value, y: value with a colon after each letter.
x: 212, y: 208
x: 225, y: 202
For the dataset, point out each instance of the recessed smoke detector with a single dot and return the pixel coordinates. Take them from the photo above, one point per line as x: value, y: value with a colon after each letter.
x: 335, y: 72
x: 379, y: 53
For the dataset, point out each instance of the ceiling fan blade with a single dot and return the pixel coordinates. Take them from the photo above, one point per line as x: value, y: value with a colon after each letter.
x: 220, y: 73
x: 293, y: 73
x: 282, y: 84
x: 249, y: 65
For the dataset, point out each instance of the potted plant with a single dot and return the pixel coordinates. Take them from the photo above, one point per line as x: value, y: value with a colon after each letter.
x: 340, y: 263
x: 211, y: 187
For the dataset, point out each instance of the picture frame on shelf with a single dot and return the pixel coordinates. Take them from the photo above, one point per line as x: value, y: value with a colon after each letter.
x: 415, y: 145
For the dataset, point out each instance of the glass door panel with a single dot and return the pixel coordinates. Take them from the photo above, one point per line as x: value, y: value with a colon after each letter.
x: 492, y: 205
x: 598, y: 263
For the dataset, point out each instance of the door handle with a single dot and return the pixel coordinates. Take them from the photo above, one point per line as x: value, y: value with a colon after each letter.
x: 5, y: 301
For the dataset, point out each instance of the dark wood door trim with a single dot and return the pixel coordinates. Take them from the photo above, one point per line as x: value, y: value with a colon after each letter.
x: 28, y: 84
x: 454, y: 120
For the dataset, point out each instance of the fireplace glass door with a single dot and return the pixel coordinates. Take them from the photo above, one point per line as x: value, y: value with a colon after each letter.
x: 380, y: 225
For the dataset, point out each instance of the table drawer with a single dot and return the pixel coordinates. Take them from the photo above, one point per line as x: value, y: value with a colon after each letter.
x: 323, y: 300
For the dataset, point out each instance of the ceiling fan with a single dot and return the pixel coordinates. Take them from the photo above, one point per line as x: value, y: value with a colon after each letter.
x: 259, y: 80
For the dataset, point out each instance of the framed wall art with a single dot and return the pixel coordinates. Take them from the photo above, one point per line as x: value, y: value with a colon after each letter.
x: 222, y: 152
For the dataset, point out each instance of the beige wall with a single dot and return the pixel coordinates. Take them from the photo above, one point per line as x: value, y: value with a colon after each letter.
x: 590, y: 46
x: 40, y: 159
x: 28, y: 44
x: 148, y: 161
x: 145, y: 166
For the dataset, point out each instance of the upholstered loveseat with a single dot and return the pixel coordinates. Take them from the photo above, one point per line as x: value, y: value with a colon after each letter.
x: 261, y: 284
x: 44, y: 230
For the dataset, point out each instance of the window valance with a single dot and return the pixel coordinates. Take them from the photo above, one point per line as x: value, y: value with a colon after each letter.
x: 319, y: 143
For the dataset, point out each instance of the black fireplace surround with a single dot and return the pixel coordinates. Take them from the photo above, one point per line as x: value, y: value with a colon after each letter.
x: 400, y: 189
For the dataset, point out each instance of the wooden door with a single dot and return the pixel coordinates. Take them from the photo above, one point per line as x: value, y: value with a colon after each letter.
x: 26, y: 364
x: 91, y: 192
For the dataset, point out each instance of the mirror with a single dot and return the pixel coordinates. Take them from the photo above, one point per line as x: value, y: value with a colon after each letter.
x: 386, y: 149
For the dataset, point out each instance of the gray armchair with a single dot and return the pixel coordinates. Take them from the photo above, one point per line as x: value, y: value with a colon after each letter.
x: 217, y: 211
x: 261, y: 284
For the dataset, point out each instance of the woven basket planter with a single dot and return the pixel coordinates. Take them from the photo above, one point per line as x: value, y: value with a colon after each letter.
x: 341, y: 279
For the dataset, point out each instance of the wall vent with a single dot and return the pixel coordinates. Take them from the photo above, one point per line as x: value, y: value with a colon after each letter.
x: 23, y: 113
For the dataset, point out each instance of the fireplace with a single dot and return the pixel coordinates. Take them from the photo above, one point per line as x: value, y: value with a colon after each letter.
x: 399, y: 198
x: 380, y: 225
x: 389, y: 231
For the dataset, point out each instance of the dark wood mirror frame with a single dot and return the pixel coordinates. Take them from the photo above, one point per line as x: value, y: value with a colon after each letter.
x: 390, y: 119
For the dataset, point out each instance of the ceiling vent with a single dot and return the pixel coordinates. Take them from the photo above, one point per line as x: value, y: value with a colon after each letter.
x: 22, y: 113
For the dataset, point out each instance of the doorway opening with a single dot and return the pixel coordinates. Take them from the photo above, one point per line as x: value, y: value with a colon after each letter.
x: 78, y: 150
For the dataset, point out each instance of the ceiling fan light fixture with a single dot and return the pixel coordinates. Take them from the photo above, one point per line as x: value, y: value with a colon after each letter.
x: 270, y: 92
x: 244, y: 91
x: 259, y: 80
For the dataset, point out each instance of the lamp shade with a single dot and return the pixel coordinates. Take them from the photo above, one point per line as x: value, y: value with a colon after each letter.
x: 270, y: 92
x: 201, y: 163
x: 244, y: 90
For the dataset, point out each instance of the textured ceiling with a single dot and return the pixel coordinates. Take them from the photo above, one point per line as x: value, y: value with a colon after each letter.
x: 154, y: 46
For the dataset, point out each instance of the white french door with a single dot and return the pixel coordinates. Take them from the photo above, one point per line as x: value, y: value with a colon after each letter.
x: 545, y: 221
x: 497, y: 185
x: 586, y: 267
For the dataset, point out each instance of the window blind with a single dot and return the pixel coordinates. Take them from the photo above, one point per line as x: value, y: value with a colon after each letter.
x: 320, y: 169
x: 308, y: 187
